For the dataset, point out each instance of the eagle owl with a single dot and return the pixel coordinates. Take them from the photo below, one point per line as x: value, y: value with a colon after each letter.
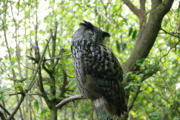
x: 98, y: 72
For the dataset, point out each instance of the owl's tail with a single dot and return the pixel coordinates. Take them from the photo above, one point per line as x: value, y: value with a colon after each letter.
x: 115, y: 105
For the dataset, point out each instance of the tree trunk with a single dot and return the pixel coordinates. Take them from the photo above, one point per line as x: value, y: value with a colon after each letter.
x: 53, y: 113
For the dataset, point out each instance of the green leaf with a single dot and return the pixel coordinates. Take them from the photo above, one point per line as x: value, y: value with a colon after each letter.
x: 43, y: 113
x: 134, y: 34
x: 130, y: 31
x: 2, y: 98
x: 36, y: 105
x: 118, y: 46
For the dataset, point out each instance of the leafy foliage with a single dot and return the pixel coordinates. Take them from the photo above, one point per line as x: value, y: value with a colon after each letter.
x: 23, y: 22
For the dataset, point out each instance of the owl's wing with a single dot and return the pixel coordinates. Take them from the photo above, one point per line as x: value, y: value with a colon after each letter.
x: 106, y: 75
x: 100, y: 62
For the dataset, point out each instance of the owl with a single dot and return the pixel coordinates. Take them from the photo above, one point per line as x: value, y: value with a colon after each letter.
x: 97, y: 70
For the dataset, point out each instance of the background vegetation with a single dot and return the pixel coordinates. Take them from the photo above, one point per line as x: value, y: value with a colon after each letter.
x: 36, y: 69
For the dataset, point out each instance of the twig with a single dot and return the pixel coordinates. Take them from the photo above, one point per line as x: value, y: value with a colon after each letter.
x: 38, y: 94
x: 17, y: 93
x: 70, y: 99
x: 170, y: 33
x: 2, y: 116
x: 5, y: 110
x: 39, y: 64
x: 58, y: 57
x: 18, y: 80
x: 144, y: 77
x: 17, y: 107
x: 33, y: 59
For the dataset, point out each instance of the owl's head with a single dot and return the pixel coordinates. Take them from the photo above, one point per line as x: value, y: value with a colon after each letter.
x: 93, y: 33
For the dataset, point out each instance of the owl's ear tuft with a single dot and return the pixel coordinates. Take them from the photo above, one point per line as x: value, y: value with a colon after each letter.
x: 106, y: 34
x: 87, y: 24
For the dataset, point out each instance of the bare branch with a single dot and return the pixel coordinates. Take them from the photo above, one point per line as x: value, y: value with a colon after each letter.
x: 133, y: 8
x: 38, y: 94
x: 39, y: 64
x: 5, y: 110
x: 2, y: 116
x: 54, y: 41
x: 32, y: 58
x: 63, y: 89
x: 17, y: 93
x: 170, y: 33
x: 58, y: 57
x: 17, y: 107
x: 142, y: 5
x: 70, y: 99
x: 41, y: 87
x: 18, y: 80
x: 155, y: 3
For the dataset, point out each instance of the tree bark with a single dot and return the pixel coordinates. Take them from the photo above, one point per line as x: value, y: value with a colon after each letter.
x: 53, y: 113
x: 147, y: 37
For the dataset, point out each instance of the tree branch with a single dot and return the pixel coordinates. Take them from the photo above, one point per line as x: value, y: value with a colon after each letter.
x: 41, y: 87
x: 17, y: 107
x: 143, y: 78
x: 70, y: 99
x: 5, y: 110
x: 39, y: 64
x: 170, y: 33
x: 58, y: 57
x: 64, y: 88
x: 148, y: 36
x: 54, y: 42
x: 2, y: 116
x: 155, y: 3
x: 142, y: 5
x: 132, y: 7
x: 18, y: 80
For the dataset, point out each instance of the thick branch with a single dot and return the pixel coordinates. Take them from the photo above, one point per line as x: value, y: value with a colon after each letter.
x: 65, y: 83
x: 144, y: 43
x: 67, y: 100
x: 41, y: 88
x: 133, y: 8
x: 141, y: 13
x: 142, y: 5
x: 155, y: 3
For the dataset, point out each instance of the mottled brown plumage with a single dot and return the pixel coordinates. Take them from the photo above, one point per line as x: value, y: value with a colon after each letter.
x: 98, y: 72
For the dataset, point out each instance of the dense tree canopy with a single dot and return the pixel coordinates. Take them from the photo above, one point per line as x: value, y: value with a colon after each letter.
x: 36, y: 71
